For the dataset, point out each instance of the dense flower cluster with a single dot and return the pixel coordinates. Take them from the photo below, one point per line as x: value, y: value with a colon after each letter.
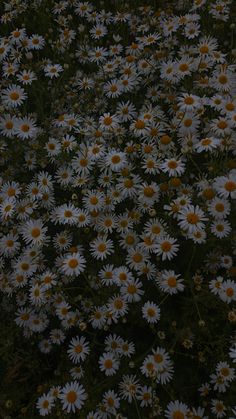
x: 117, y: 203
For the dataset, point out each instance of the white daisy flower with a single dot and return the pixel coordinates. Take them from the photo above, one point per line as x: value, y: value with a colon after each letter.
x: 108, y: 363
x: 131, y: 290
x: 13, y: 96
x: 53, y: 70
x: 191, y: 218
x: 108, y: 121
x: 176, y: 410
x: 45, y: 404
x: 78, y: 349
x: 166, y: 247
x: 116, y: 160
x: 36, y: 42
x: 219, y: 208
x: 207, y: 144
x: 221, y: 228
x: 73, y: 264
x: 8, y: 125
x: 72, y: 397
x: 101, y: 248
x: 226, y: 185
x: 173, y: 167
x: 25, y: 128
x: 227, y: 292
x: 34, y: 232
x: 169, y: 282
x: 151, y: 312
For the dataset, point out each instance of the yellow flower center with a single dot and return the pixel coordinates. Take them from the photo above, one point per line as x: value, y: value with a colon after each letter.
x: 192, y: 218
x: 71, y: 396
x: 73, y: 263
x: 35, y: 232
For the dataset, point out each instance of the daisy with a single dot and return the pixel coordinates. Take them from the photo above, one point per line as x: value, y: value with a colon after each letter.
x: 161, y: 359
x: 25, y: 128
x: 207, y: 144
x: 26, y: 77
x: 166, y: 247
x: 168, y: 71
x: 173, y: 167
x: 8, y: 125
x: 36, y: 42
x: 57, y: 336
x: 23, y: 316
x: 191, y: 218
x: 45, y: 404
x: 128, y: 186
x: 215, y: 285
x: 62, y: 310
x: 18, y: 35
x: 7, y: 209
x: 219, y: 208
x: 62, y: 241
x: 106, y: 274
x: 145, y: 395
x: 139, y: 127
x: 199, y: 413
x: 148, y: 367
x: 207, y: 46
x: 108, y: 363
x: 108, y: 121
x: 122, y: 275
x: 101, y: 247
x: 218, y: 408
x: 77, y: 372
x: 225, y: 371
x: 176, y: 410
x: 131, y: 290
x: 37, y: 294
x: 78, y: 349
x: 125, y: 111
x: 13, y: 96
x: 93, y: 200
x: 9, y: 245
x: 111, y: 401
x: 127, y: 349
x: 169, y: 282
x: 155, y: 227
x: 68, y: 143
x: 198, y: 237
x: 72, y: 396
x: 34, y: 232
x: 73, y: 264
x: 113, y: 88
x: 227, y: 292
x: 53, y: 147
x: 66, y: 214
x: 129, y: 387
x: 113, y: 343
x: 188, y: 102
x: 148, y: 193
x: 53, y: 70
x: 136, y: 256
x: 64, y: 175
x: 45, y: 346
x: 116, y: 160
x: 221, y: 228
x: 151, y: 312
x: 98, y: 318
x: 226, y: 185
